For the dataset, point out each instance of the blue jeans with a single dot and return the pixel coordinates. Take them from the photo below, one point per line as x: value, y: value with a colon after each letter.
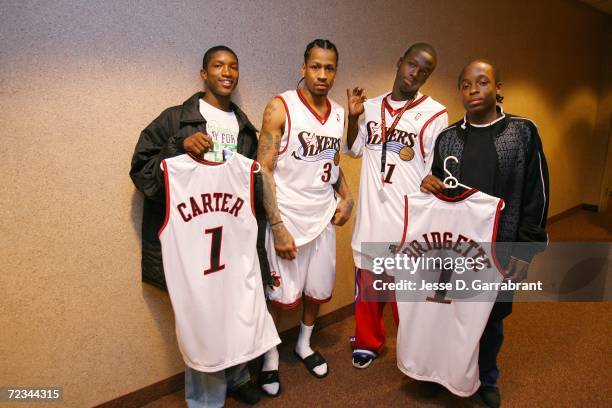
x: 204, y: 390
x: 490, y: 344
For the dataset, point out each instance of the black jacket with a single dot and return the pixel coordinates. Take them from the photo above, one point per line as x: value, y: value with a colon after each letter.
x: 164, y: 138
x: 521, y: 180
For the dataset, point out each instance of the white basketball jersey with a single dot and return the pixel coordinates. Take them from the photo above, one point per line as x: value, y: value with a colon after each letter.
x: 210, y: 261
x: 380, y: 211
x: 308, y: 166
x: 438, y: 338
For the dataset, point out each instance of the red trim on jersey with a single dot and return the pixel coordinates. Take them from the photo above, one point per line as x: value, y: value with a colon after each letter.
x: 500, y: 206
x: 399, y: 247
x: 315, y: 300
x: 321, y: 119
x: 460, y: 197
x: 285, y: 306
x: 411, y: 105
x: 253, y: 166
x: 281, y: 151
x: 423, y: 131
x: 204, y: 161
x: 167, y: 187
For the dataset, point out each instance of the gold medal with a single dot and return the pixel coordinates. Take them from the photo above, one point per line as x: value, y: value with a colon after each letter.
x: 406, y: 153
x: 337, y: 158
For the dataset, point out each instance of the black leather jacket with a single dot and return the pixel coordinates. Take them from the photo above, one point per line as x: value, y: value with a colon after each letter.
x: 164, y: 138
x: 521, y: 180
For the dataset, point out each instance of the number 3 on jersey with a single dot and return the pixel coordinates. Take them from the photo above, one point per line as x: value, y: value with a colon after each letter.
x: 215, y: 249
x: 326, y: 172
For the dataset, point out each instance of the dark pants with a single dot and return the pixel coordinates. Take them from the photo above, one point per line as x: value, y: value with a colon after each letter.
x: 490, y: 344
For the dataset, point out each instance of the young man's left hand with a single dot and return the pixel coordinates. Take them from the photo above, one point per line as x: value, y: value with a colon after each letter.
x: 516, y: 270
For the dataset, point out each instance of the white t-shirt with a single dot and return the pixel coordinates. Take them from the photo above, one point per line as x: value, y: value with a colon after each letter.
x: 222, y: 127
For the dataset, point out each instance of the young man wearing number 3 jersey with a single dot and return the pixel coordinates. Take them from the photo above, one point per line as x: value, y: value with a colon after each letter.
x: 395, y: 133
x: 299, y: 151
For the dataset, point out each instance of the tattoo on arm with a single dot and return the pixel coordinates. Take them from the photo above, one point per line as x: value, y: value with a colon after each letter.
x: 267, y: 153
x: 339, y: 182
x: 267, y: 118
x: 342, y: 188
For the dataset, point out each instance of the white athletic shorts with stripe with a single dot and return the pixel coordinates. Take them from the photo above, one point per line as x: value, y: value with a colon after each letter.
x: 312, y: 273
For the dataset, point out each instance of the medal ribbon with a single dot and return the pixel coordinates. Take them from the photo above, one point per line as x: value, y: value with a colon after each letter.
x: 383, y: 132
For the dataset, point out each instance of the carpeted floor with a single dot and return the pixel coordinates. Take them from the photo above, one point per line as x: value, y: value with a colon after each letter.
x: 554, y: 355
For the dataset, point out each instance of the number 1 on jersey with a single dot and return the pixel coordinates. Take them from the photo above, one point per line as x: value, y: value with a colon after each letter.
x: 440, y: 295
x: 387, y: 178
x: 215, y: 250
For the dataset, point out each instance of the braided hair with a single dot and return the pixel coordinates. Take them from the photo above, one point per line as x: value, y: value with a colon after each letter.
x: 319, y: 43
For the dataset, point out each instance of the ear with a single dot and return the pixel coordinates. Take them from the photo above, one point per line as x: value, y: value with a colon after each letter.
x: 203, y: 74
x: 303, y: 69
x: 399, y: 62
x: 498, y: 87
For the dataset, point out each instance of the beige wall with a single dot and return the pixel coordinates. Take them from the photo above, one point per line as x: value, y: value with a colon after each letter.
x: 601, y: 187
x: 79, y: 81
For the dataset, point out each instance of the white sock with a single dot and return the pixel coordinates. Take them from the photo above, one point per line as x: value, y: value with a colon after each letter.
x: 302, y: 347
x: 271, y: 364
x: 270, y: 360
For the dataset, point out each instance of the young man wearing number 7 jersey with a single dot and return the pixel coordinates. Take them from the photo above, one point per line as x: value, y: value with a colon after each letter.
x: 299, y: 151
x: 395, y: 133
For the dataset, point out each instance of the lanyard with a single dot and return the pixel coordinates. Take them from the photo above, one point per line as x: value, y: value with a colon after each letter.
x: 383, y: 132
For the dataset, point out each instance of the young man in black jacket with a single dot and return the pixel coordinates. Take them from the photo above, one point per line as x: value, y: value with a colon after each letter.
x: 184, y: 129
x: 501, y: 155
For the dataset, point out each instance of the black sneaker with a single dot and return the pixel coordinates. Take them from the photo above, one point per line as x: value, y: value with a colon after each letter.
x: 247, y: 393
x: 428, y: 389
x: 489, y: 394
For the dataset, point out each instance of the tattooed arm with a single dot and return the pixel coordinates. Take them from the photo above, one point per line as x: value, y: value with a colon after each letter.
x: 345, y: 206
x: 267, y: 152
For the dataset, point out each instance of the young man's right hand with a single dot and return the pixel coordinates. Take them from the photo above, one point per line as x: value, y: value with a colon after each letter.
x: 198, y: 143
x: 284, y: 243
x: 356, y: 98
x: 432, y: 184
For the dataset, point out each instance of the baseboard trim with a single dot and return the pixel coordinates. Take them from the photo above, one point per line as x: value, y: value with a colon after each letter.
x: 564, y: 214
x: 176, y: 383
x: 147, y: 394
x: 590, y: 207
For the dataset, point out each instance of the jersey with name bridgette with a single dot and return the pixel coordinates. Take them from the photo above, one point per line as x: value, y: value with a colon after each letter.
x: 439, y: 331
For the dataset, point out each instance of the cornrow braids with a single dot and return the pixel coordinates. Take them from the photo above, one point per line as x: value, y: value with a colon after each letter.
x: 320, y: 43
